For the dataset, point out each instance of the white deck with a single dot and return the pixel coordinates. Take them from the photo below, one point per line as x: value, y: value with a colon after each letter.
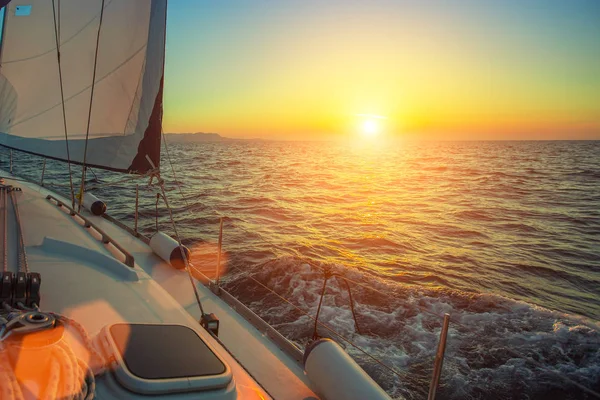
x: 82, y: 280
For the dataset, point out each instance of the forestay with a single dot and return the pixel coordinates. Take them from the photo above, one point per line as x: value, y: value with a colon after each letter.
x: 126, y: 108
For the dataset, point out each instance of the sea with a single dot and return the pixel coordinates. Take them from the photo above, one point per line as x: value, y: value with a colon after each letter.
x: 502, y: 236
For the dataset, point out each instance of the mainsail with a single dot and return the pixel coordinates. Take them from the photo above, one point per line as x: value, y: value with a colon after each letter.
x: 123, y: 42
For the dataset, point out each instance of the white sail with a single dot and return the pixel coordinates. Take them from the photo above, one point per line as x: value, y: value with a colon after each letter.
x: 126, y: 111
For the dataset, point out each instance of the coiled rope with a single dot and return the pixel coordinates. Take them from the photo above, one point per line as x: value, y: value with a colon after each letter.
x: 69, y: 377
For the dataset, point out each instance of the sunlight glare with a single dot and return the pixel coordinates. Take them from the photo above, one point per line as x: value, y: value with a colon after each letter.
x: 370, y: 127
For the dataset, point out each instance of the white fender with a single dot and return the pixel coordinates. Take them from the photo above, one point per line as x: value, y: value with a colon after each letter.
x: 335, y: 375
x: 168, y: 249
x: 93, y: 204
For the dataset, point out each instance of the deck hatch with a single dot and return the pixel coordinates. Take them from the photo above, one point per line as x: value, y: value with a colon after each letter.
x: 164, y: 351
x: 153, y: 358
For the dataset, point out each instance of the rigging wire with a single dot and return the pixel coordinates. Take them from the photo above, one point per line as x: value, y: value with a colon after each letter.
x: 87, y: 132
x: 93, y: 173
x: 105, y: 184
x: 72, y: 96
x: 173, y: 168
x: 4, y: 193
x: 62, y: 95
x: 183, y: 255
x: 22, y: 259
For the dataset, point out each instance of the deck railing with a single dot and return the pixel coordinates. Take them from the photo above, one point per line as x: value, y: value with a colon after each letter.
x: 86, y: 223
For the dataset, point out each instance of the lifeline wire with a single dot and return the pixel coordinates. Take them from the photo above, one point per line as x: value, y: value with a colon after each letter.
x: 183, y: 255
x: 87, y: 132
x: 62, y: 97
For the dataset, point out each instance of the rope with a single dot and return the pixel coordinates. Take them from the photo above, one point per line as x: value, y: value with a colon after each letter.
x: 87, y: 341
x: 72, y: 96
x: 68, y: 376
x: 156, y: 211
x: 173, y: 169
x: 5, y: 228
x: 93, y: 173
x: 183, y: 255
x: 62, y: 97
x: 23, y: 264
x: 87, y: 132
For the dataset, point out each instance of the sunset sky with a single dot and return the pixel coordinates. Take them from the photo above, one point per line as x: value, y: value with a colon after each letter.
x: 468, y: 69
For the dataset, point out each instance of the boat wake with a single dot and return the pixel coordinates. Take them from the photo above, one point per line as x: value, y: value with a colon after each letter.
x: 497, y: 348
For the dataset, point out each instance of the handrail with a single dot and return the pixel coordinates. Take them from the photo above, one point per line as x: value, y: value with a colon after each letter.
x: 439, y: 359
x: 255, y: 320
x: 129, y: 260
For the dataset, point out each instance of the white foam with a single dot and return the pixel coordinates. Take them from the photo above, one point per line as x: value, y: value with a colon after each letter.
x: 401, y: 328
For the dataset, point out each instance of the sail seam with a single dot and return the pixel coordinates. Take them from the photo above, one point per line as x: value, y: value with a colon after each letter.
x: 82, y: 90
x: 135, y: 95
x: 63, y: 43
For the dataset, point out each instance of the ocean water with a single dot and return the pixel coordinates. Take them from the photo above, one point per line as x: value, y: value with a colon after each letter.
x: 503, y: 236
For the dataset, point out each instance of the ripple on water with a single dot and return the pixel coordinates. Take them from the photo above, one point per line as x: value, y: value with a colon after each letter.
x: 464, y: 228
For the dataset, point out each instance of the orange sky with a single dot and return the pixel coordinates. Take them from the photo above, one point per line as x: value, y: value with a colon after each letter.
x: 305, y: 70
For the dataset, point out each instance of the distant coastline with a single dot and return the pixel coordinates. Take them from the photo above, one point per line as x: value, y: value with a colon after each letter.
x: 202, y: 137
x: 207, y: 137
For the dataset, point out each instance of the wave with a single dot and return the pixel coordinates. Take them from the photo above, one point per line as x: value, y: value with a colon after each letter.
x: 491, y: 343
x: 586, y: 173
x: 456, y: 219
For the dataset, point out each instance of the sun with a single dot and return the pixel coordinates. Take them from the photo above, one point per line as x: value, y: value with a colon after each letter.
x: 370, y: 128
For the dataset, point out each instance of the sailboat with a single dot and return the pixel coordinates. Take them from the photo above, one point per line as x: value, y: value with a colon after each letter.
x: 89, y: 307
